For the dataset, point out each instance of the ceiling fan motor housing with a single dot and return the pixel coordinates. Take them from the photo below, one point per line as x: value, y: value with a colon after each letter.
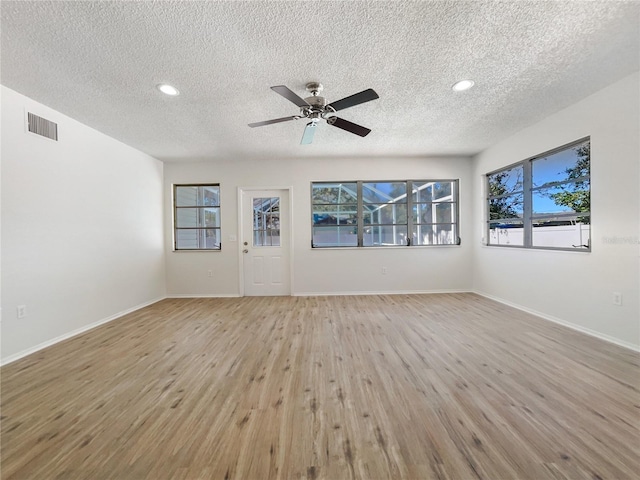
x: 318, y: 108
x: 316, y: 101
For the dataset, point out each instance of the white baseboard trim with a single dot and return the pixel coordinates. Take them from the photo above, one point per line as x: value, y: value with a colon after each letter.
x: 73, y: 333
x: 573, y: 326
x: 402, y: 292
x: 200, y: 295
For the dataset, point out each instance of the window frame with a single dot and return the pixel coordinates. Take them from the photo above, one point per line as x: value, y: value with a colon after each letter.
x: 360, y: 225
x: 528, y: 216
x: 176, y: 207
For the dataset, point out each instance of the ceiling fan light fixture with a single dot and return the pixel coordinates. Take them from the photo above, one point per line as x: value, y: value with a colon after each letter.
x: 463, y: 85
x: 168, y: 89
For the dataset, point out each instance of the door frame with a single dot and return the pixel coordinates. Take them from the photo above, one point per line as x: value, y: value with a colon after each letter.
x: 241, y: 192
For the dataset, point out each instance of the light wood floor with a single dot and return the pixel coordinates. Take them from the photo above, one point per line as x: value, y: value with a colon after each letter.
x: 374, y: 387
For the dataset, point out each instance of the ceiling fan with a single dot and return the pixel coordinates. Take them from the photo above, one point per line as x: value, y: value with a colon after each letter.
x: 316, y: 108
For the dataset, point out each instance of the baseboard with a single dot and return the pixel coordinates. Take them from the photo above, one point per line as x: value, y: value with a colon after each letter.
x: 200, y: 295
x: 573, y: 326
x: 73, y: 333
x: 395, y: 292
x: 322, y: 294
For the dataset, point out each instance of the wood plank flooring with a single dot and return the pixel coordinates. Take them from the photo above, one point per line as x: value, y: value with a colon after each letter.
x: 451, y: 386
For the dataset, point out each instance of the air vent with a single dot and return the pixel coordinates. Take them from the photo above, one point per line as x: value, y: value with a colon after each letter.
x: 42, y: 126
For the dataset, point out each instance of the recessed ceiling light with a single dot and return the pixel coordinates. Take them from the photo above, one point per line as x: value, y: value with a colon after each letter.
x: 168, y: 89
x: 463, y: 85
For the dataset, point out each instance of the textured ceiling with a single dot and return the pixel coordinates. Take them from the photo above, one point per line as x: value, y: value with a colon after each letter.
x: 99, y: 62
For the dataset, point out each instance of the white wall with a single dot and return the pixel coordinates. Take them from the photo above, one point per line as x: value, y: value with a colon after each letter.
x: 573, y: 287
x: 320, y: 271
x: 82, y: 228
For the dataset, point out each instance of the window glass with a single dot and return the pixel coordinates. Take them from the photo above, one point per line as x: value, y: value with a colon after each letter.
x: 348, y: 216
x: 506, y: 233
x: 385, y: 235
x: 434, y: 213
x: 386, y: 213
x: 438, y: 191
x: 434, y: 234
x: 196, y: 217
x: 334, y: 193
x: 266, y: 222
x: 334, y: 213
x: 555, y: 209
x: 335, y: 236
x: 566, y: 197
x: 203, y: 195
x: 197, y: 239
x: 368, y: 214
x: 561, y: 232
x: 570, y: 164
x: 382, y: 192
x: 506, y: 182
x: 506, y: 207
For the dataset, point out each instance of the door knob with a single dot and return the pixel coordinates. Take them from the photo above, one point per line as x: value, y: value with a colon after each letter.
x: 246, y: 243
x: 245, y: 251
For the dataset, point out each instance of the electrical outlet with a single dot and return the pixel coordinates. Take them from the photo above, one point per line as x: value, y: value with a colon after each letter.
x: 22, y: 311
x: 617, y: 298
x: 210, y: 273
x: 384, y: 270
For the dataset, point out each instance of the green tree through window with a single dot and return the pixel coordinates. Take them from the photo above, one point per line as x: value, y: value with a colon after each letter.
x: 577, y: 195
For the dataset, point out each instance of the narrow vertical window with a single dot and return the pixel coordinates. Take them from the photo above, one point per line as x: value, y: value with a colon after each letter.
x: 561, y: 198
x: 334, y: 208
x: 384, y: 214
x: 196, y: 217
x: 434, y: 212
x: 506, y: 207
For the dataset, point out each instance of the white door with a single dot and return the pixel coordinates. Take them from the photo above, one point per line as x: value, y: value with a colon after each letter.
x: 265, y: 242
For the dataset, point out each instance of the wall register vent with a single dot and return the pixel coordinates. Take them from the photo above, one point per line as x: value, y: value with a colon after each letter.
x: 42, y: 126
